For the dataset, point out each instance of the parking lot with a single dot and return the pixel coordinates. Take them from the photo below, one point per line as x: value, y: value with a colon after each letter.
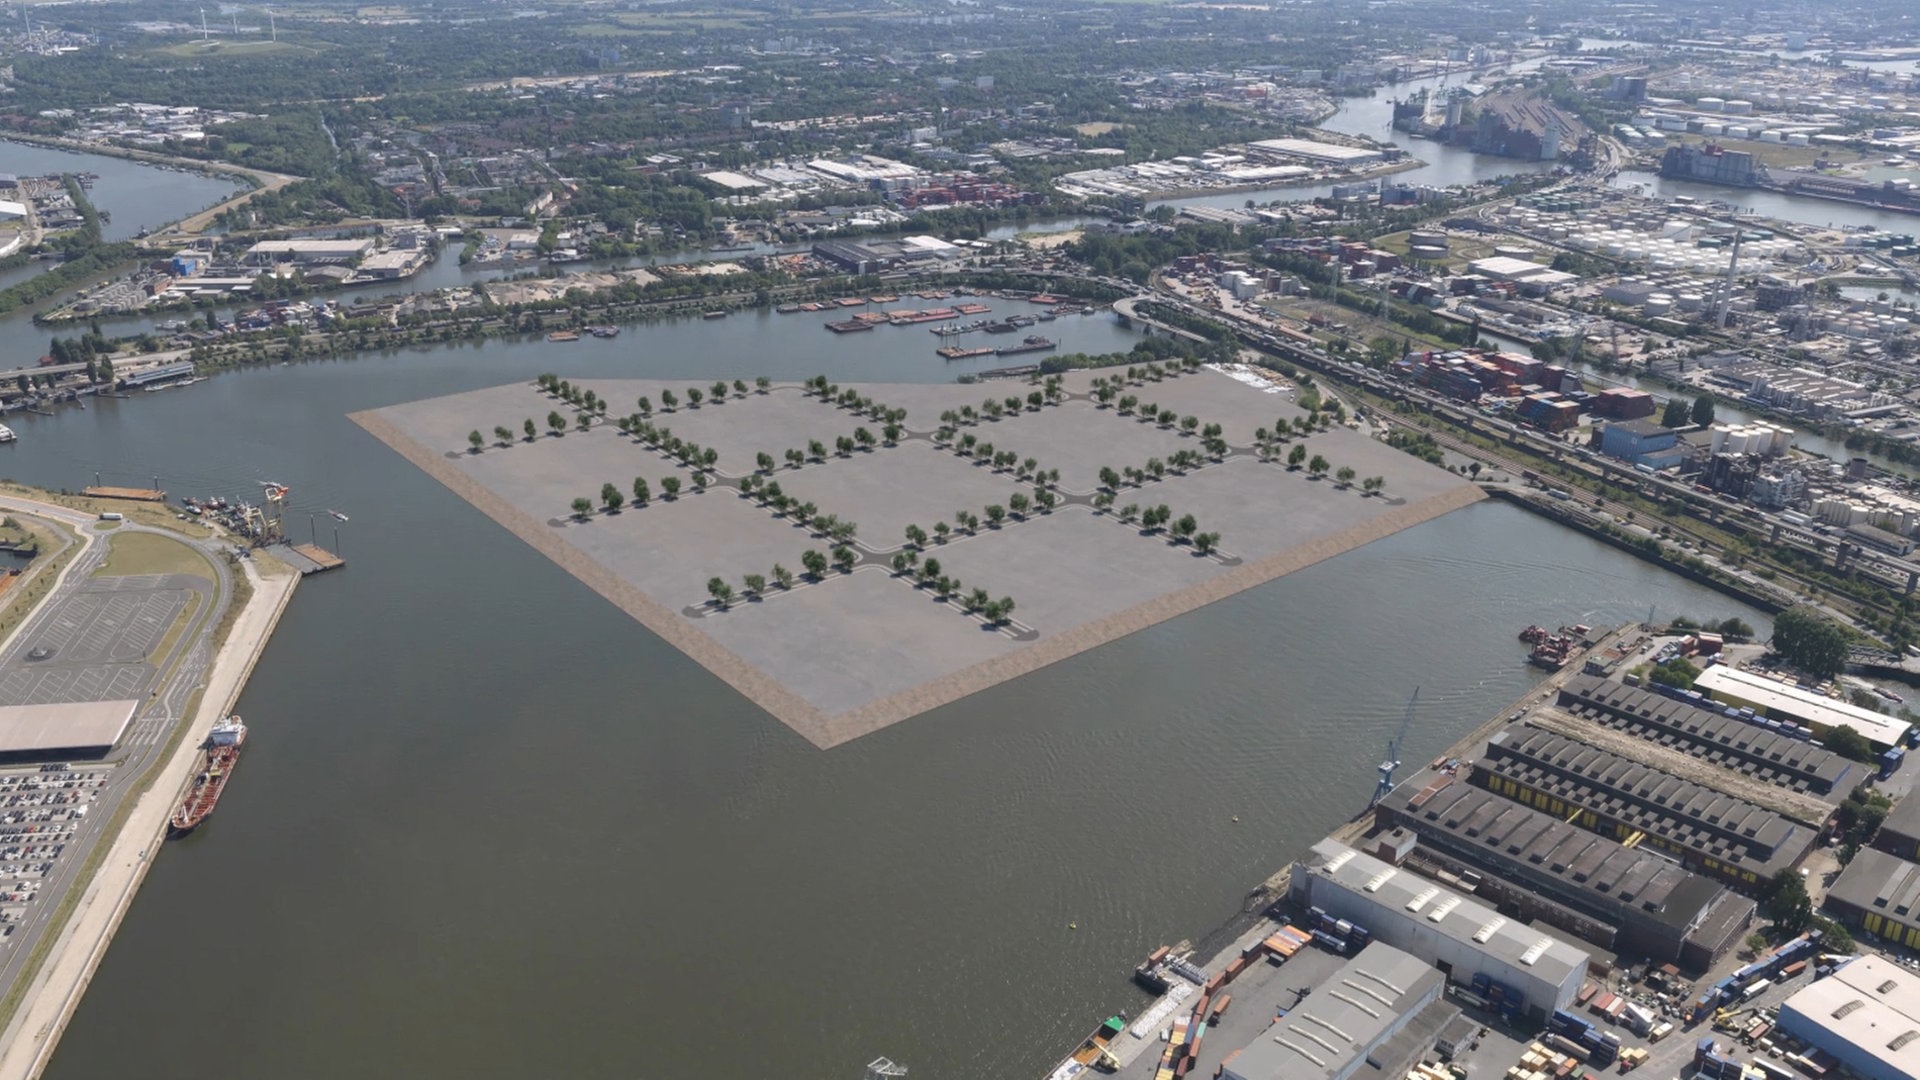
x: 40, y: 810
x: 97, y: 643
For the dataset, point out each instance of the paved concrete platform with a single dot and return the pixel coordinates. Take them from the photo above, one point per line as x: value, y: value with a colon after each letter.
x: 99, y: 641
x: 851, y: 653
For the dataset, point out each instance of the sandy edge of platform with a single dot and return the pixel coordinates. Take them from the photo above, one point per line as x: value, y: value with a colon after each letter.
x: 826, y: 731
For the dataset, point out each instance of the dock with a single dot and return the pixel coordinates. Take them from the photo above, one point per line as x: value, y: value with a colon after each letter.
x: 310, y: 558
x: 129, y: 494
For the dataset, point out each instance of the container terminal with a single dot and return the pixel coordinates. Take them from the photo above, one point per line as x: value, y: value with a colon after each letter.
x: 1573, y: 888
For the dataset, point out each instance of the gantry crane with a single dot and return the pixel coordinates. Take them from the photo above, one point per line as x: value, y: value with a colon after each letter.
x: 1392, y: 761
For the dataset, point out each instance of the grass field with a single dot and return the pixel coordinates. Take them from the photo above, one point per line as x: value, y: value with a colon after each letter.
x: 1780, y: 155
x: 146, y: 553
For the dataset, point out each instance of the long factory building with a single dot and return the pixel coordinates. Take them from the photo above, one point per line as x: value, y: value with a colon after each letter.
x: 1879, y: 894
x: 1626, y: 900
x: 1781, y: 701
x: 1348, y: 1026
x: 1867, y: 1014
x: 1709, y: 735
x: 1459, y: 935
x: 1709, y: 831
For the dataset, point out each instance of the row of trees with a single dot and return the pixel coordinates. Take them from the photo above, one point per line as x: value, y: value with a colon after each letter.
x: 613, y: 499
x: 972, y: 447
x: 1153, y: 519
x: 832, y: 394
x: 1680, y: 413
x: 931, y: 575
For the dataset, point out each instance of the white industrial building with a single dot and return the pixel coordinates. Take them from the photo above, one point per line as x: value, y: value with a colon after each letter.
x: 1781, y: 701
x: 1460, y: 936
x: 1343, y: 1026
x: 1324, y: 153
x: 1867, y: 1014
x: 307, y: 252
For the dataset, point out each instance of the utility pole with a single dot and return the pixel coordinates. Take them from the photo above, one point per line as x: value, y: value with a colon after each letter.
x: 1726, y: 298
x: 272, y: 30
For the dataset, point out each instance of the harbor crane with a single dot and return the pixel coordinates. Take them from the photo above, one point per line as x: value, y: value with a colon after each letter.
x: 1392, y: 760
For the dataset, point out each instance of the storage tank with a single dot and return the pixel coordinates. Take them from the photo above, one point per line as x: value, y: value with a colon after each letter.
x: 1739, y: 131
x: 1689, y: 302
x: 1426, y: 252
x: 1739, y: 107
x: 1435, y: 239
x: 1713, y: 130
x: 1717, y: 439
x: 1658, y: 304
x: 1772, y: 136
x: 1711, y: 104
x: 1797, y: 138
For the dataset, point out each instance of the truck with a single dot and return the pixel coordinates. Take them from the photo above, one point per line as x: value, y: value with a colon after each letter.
x: 1755, y: 989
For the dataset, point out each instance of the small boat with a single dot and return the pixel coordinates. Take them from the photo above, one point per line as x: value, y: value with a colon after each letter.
x: 6, y: 434
x: 604, y: 331
x: 713, y: 315
x: 563, y: 335
x: 337, y: 515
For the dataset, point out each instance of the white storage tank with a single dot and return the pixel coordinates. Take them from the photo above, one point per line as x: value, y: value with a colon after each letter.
x: 1713, y: 130
x: 1711, y: 104
x: 1717, y: 439
x: 1739, y: 107
x: 1658, y: 304
x: 1739, y: 131
x: 1689, y: 302
x: 1772, y: 136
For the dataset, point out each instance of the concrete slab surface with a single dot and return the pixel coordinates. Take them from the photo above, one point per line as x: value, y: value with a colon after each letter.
x: 853, y: 653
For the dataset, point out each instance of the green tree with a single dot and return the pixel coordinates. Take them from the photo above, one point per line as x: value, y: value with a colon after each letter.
x: 1702, y: 412
x: 843, y: 558
x: 1206, y: 542
x: 1318, y: 465
x: 1848, y: 743
x: 582, y: 507
x: 646, y: 407
x: 668, y: 401
x: 1811, y: 641
x: 1296, y: 456
x: 531, y: 430
x: 1678, y: 672
x: 641, y: 493
x: 762, y: 384
x: 1018, y: 504
x: 557, y: 423
x: 721, y: 592
x: 783, y: 575
x: 476, y: 440
x: 1345, y: 475
x: 1676, y: 413
x: 1787, y: 903
x: 814, y: 562
x: 695, y: 396
x: 503, y: 435
x: 612, y: 497
x: 583, y: 421
x: 755, y: 584
x: 764, y: 460
x: 670, y: 485
x: 996, y: 514
x: 916, y: 536
x: 940, y: 530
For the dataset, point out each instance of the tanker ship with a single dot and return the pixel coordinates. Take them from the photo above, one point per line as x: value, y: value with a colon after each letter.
x: 219, y: 755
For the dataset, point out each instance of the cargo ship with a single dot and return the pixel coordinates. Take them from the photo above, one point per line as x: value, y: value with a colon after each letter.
x: 954, y: 352
x: 221, y: 752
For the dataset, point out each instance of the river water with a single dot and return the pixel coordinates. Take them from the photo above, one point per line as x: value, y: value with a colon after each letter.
x: 490, y: 827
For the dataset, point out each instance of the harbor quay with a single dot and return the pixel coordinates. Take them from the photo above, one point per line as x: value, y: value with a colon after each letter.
x: 1573, y: 885
x: 848, y: 557
x: 129, y: 643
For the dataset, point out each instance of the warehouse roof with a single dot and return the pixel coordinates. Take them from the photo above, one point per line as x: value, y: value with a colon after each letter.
x: 1454, y: 915
x: 1878, y: 882
x: 1873, y: 1004
x: 1708, y: 734
x: 1904, y: 818
x: 1682, y: 814
x: 1500, y: 831
x: 1345, y: 1017
x: 72, y: 726
x: 1814, y: 709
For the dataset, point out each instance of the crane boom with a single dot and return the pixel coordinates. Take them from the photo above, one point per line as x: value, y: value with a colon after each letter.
x: 1392, y: 760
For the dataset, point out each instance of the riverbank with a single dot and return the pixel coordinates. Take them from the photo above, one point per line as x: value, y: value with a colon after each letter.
x: 56, y: 988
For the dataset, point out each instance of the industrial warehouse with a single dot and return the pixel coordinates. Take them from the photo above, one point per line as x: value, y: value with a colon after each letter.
x: 1625, y: 900
x: 1462, y: 937
x: 1781, y: 701
x: 1866, y: 1014
x: 1706, y: 829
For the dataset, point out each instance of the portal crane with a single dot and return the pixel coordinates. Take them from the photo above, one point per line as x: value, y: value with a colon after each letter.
x: 1392, y: 761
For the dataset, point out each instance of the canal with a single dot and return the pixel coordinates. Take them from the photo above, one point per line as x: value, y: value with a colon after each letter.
x: 490, y: 827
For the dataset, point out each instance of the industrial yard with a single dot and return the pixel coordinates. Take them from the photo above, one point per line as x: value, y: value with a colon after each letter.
x: 1574, y: 885
x: 1019, y: 497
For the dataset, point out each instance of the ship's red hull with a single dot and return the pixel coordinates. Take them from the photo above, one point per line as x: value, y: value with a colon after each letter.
x: 216, y: 767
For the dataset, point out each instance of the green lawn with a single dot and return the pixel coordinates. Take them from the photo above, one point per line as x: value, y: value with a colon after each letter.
x: 149, y: 553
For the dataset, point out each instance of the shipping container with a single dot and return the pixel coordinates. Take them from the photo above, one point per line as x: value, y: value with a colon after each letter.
x: 1158, y: 955
x: 1220, y: 1007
